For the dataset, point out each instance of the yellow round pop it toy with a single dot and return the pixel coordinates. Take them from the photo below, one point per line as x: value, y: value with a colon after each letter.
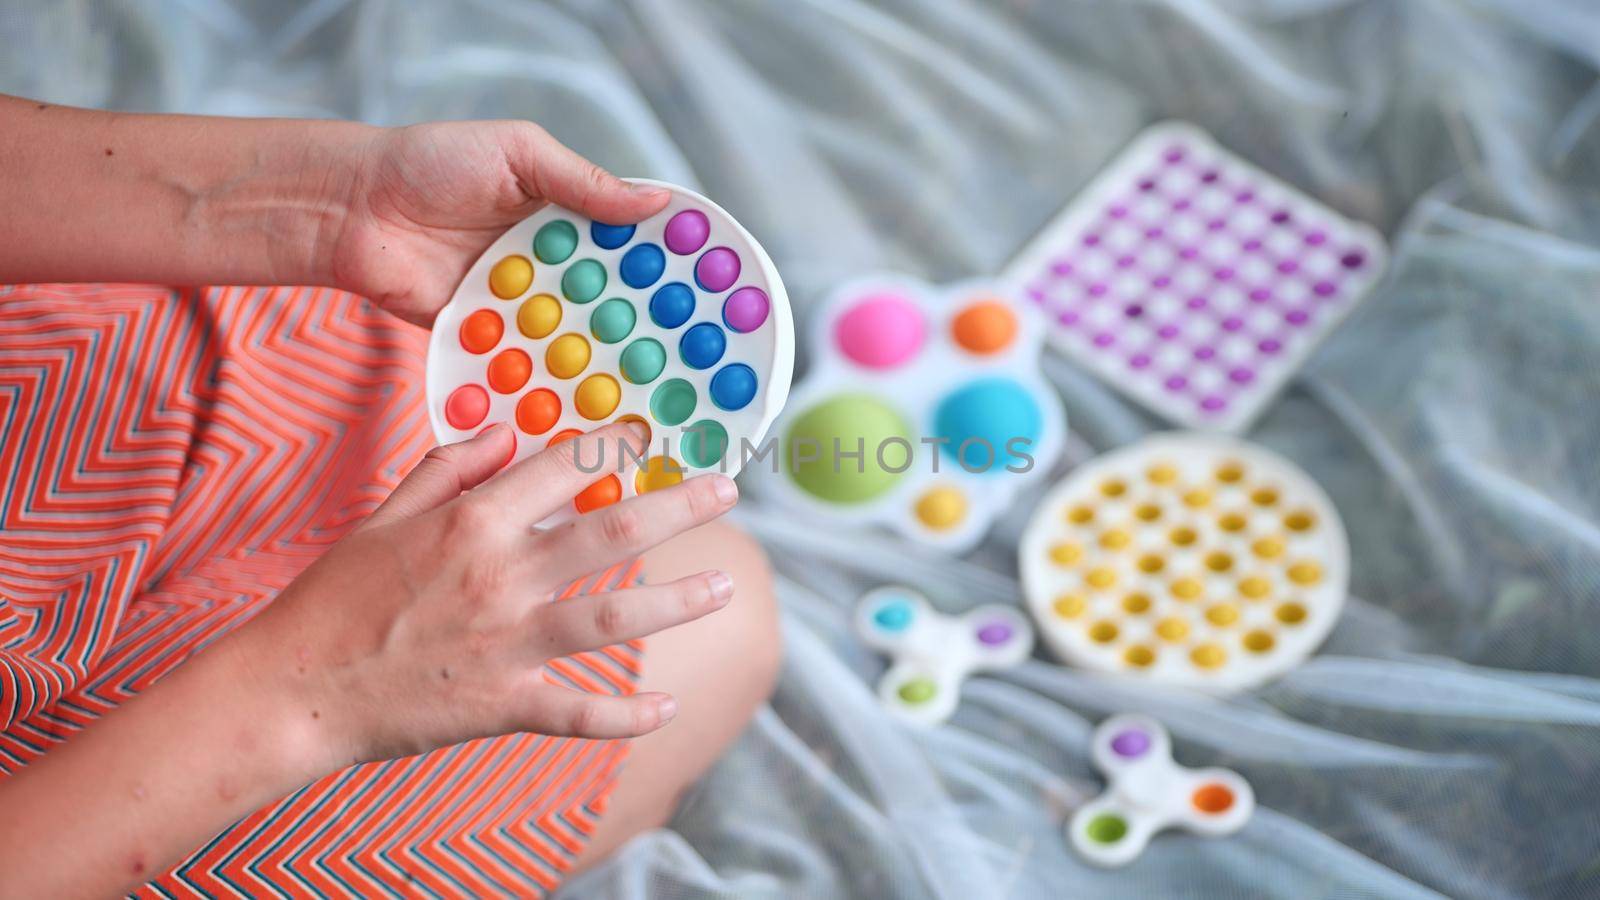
x: 1188, y: 558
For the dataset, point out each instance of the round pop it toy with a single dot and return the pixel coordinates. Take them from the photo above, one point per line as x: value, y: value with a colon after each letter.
x: 924, y: 410
x: 566, y: 324
x: 1187, y: 558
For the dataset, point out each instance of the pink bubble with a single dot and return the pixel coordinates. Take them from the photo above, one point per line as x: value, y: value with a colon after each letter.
x: 687, y: 232
x: 881, y: 331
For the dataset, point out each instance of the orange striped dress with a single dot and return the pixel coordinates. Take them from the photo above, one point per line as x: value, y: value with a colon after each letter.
x: 170, y: 460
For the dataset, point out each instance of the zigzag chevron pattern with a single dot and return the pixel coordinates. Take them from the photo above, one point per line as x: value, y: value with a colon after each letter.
x: 169, y: 461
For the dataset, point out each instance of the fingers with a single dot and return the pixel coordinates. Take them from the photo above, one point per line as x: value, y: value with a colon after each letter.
x: 563, y: 712
x: 624, y: 530
x: 591, y: 622
x: 541, y: 484
x: 444, y: 473
x: 567, y: 179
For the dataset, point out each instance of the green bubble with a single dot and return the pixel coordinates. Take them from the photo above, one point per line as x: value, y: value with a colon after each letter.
x: 612, y: 320
x: 917, y: 690
x: 642, y: 362
x: 673, y: 402
x: 555, y: 241
x: 1106, y: 828
x: 704, y: 443
x: 858, y: 422
x: 583, y: 281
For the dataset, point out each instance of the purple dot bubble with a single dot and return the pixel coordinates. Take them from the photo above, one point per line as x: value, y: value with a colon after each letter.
x: 1133, y: 310
x: 1296, y: 317
x: 1245, y: 196
x: 1242, y: 376
x: 1324, y: 289
x: 1090, y: 240
x: 1062, y: 268
x: 1097, y: 290
x: 717, y: 269
x: 1316, y: 238
x: 1036, y: 295
x: 1216, y: 225
x: 1232, y: 323
x: 1252, y: 245
x: 1119, y: 212
x: 746, y: 309
x: 687, y: 232
x: 1161, y: 281
x: 1182, y: 204
x: 1209, y: 176
x: 1280, y: 217
x: 1130, y: 743
x: 1176, y: 383
x: 995, y: 633
x: 1269, y: 345
x: 1223, y: 274
x: 1068, y: 318
x: 1139, y: 360
x: 1124, y: 262
x: 1168, y: 332
x: 1288, y: 266
x: 1213, y: 403
x: 1175, y: 154
x: 1189, y: 252
x: 1154, y: 232
x: 1352, y: 260
x: 1261, y: 295
x: 1204, y: 353
x: 1104, y: 339
x: 1147, y: 185
x: 1196, y: 303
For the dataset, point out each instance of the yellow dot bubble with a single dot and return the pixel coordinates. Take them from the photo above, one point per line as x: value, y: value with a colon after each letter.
x: 1139, y: 656
x: 657, y: 472
x: 1222, y: 615
x: 1080, y: 515
x: 1230, y: 472
x: 1113, y: 487
x: 1183, y: 536
x: 1258, y: 641
x: 1070, y: 606
x: 1217, y: 561
x: 1299, y: 520
x: 1136, y: 603
x: 510, y: 277
x: 1101, y: 578
x: 539, y: 315
x: 1147, y: 512
x: 1268, y: 547
x: 1291, y: 613
x: 1208, y: 656
x: 1162, y: 473
x: 1150, y: 564
x: 1255, y: 587
x: 1115, y: 539
x: 1187, y: 588
x: 1305, y: 573
x: 1172, y: 629
x: 597, y: 396
x: 942, y: 508
x: 567, y: 356
x: 1103, y: 632
x: 1197, y: 498
x: 1232, y: 522
x: 1066, y: 553
x: 1264, y: 496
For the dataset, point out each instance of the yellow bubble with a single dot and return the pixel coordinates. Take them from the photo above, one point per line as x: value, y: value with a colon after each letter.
x: 1136, y: 603
x: 1172, y: 629
x: 1101, y: 578
x: 1291, y: 613
x: 1183, y: 536
x: 1162, y: 473
x: 1070, y: 606
x: 597, y: 396
x: 1208, y: 656
x: 1258, y: 641
x: 657, y: 472
x: 510, y: 277
x: 1230, y: 472
x: 1268, y: 547
x: 1147, y: 512
x: 1264, y: 496
x: 1139, y: 656
x: 1255, y: 587
x: 567, y: 356
x: 1232, y: 522
x: 1197, y: 498
x: 1222, y: 615
x: 942, y: 508
x: 1305, y: 573
x: 1115, y: 539
x: 1080, y: 515
x: 1150, y: 564
x: 1187, y: 588
x: 1217, y: 561
x: 1299, y: 520
x: 1113, y: 487
x: 539, y: 315
x: 1066, y: 553
x: 1103, y: 632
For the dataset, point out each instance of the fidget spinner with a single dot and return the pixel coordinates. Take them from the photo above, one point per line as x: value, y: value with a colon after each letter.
x: 934, y: 653
x: 1146, y: 791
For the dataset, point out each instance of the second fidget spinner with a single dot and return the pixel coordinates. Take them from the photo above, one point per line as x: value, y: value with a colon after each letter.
x: 934, y: 653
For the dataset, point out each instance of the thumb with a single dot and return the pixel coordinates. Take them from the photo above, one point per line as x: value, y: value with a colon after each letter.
x: 548, y: 169
x: 444, y: 473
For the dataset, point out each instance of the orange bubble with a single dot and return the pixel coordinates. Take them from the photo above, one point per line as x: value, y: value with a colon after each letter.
x: 985, y: 327
x: 604, y: 492
x: 563, y: 435
x: 509, y: 371
x: 1213, y: 798
x: 481, y: 331
x: 538, y: 411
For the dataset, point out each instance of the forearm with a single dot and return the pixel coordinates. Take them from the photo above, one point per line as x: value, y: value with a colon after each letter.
x: 135, y: 792
x: 100, y: 196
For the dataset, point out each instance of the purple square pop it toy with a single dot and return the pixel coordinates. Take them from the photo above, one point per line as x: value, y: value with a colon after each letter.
x: 1193, y: 281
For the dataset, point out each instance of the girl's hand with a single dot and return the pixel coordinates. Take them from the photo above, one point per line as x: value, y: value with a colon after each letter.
x: 426, y: 200
x: 431, y: 624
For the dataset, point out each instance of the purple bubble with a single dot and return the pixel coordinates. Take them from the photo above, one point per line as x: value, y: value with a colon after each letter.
x: 1097, y: 289
x: 1204, y: 353
x: 1223, y: 274
x: 1090, y: 240
x: 717, y: 269
x: 1161, y: 281
x: 1062, y: 268
x: 1352, y: 260
x: 1324, y: 289
x: 1232, y: 323
x: 1242, y: 376
x: 1189, y: 252
x: 1252, y: 245
x: 1182, y: 204
x: 1196, y: 303
x: 1130, y: 743
x: 1280, y: 217
x: 746, y: 309
x: 1296, y: 317
x: 687, y: 232
x: 1104, y: 339
x: 1124, y: 262
x: 1270, y: 345
x: 1176, y: 383
x: 1245, y: 196
x: 1068, y: 318
x: 1147, y: 185
x: 1119, y: 212
x: 1315, y: 238
x: 1036, y: 295
x: 1213, y: 403
x: 1260, y: 295
x: 1174, y: 155
x: 1288, y: 266
x: 1216, y: 224
x: 1133, y: 311
x: 995, y: 633
x: 1154, y: 232
x: 1209, y: 176
x: 1139, y: 360
x: 1168, y: 332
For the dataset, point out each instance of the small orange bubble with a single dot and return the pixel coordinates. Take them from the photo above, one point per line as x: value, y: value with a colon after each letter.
x: 1213, y: 798
x: 604, y: 492
x: 985, y: 327
x: 481, y: 331
x: 509, y: 371
x: 566, y: 434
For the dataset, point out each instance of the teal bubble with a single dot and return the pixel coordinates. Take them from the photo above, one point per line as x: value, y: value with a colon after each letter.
x: 583, y: 281
x: 704, y: 443
x: 985, y: 416
x: 555, y: 241
x: 612, y: 320
x: 642, y: 362
x: 673, y: 401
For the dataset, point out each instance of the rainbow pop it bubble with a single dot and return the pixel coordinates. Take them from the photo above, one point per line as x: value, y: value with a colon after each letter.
x: 934, y: 653
x: 1186, y: 558
x: 1147, y: 791
x: 566, y: 324
x: 923, y: 410
x: 1193, y: 281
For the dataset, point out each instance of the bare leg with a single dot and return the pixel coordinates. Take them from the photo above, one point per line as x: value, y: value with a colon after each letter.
x: 721, y: 668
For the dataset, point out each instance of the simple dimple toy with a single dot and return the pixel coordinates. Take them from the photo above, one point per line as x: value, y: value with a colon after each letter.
x: 1187, y: 558
x: 924, y: 410
x: 1146, y: 791
x: 933, y: 653
x: 566, y: 324
x: 1192, y: 280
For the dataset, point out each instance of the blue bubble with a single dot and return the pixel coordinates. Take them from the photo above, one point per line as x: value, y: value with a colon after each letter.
x: 610, y: 237
x: 893, y: 616
x: 733, y: 387
x: 672, y: 304
x: 990, y: 413
x: 642, y: 265
x: 702, y: 345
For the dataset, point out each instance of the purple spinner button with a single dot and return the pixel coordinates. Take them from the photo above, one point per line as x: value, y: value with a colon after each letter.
x: 995, y: 633
x: 1131, y: 743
